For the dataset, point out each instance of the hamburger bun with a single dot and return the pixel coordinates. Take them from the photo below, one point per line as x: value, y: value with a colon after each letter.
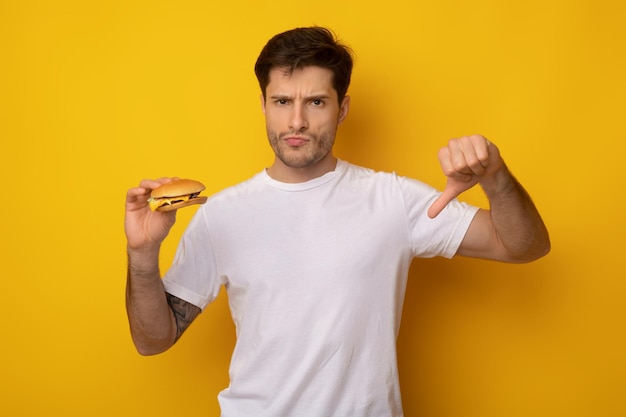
x: 177, y: 194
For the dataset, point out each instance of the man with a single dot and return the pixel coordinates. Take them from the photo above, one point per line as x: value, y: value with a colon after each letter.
x: 314, y: 252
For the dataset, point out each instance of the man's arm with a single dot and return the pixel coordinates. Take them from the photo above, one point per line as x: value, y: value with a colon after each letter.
x: 512, y: 229
x: 156, y: 319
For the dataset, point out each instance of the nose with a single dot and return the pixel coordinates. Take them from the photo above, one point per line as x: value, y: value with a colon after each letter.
x: 298, y: 121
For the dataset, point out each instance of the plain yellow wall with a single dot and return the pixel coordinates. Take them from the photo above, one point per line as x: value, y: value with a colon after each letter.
x: 96, y: 95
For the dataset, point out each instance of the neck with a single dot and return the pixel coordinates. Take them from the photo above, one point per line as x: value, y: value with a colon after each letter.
x: 284, y: 173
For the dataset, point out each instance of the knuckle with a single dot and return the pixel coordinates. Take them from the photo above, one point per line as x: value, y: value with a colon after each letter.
x: 459, y: 165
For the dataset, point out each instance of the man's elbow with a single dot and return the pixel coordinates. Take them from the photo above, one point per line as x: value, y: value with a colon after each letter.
x: 150, y: 347
x: 543, y: 245
x: 543, y: 250
x: 532, y: 253
x: 148, y: 350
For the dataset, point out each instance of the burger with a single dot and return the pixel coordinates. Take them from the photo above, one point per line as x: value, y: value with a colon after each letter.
x: 176, y: 194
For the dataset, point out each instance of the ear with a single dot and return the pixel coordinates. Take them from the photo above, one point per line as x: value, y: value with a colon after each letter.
x: 262, y: 103
x: 344, y: 108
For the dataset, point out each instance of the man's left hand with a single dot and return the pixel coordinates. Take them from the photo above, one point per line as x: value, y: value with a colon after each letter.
x: 466, y: 161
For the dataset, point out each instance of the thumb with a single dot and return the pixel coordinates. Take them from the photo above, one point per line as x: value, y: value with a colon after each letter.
x: 442, y: 201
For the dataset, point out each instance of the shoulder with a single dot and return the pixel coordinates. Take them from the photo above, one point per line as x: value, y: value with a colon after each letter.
x: 227, y: 200
x: 352, y: 172
x: 250, y: 185
x: 387, y: 179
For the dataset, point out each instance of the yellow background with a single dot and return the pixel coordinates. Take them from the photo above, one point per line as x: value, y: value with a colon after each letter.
x: 96, y: 95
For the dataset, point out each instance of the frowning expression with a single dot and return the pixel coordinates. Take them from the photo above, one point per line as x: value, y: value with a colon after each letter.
x: 302, y: 113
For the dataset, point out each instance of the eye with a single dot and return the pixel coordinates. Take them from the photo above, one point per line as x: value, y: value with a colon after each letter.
x: 281, y: 101
x: 317, y: 102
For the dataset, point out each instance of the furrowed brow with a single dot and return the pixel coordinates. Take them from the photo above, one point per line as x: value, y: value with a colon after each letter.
x: 321, y: 96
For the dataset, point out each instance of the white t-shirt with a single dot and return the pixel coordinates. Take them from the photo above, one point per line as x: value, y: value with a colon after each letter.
x: 316, y: 275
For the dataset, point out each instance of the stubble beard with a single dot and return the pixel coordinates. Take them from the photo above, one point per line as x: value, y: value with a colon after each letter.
x: 304, y: 156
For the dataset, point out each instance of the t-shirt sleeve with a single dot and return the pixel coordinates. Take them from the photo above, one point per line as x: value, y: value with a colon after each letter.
x: 193, y: 275
x: 442, y: 235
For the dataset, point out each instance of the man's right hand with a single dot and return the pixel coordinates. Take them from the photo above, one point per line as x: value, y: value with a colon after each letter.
x: 146, y: 228
x: 153, y: 324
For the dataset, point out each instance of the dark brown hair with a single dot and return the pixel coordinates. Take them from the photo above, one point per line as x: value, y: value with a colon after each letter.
x: 303, y: 47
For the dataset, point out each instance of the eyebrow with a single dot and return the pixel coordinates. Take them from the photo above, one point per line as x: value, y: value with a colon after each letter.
x: 311, y: 97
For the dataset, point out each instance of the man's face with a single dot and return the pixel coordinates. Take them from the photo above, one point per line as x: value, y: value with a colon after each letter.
x: 301, y: 115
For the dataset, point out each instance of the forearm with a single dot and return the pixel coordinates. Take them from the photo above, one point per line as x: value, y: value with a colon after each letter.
x: 152, y: 323
x: 517, y: 224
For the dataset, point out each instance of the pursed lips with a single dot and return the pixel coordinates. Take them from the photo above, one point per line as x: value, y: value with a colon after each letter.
x: 296, y: 141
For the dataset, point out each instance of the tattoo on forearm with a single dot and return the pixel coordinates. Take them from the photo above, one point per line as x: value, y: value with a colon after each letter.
x: 184, y: 313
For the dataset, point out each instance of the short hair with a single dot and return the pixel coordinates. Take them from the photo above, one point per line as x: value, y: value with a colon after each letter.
x: 302, y: 47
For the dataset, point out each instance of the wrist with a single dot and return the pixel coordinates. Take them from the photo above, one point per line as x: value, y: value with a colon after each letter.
x: 499, y: 183
x: 143, y: 260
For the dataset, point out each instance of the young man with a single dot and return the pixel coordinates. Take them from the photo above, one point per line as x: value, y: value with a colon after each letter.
x: 313, y: 251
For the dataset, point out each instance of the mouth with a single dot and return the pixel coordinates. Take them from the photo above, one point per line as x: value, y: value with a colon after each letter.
x: 295, y: 141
